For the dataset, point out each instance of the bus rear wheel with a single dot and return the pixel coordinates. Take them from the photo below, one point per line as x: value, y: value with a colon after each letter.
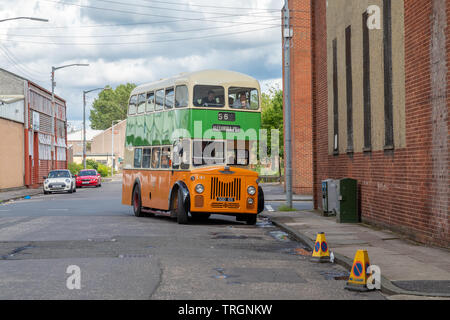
x: 137, y: 204
x: 181, y: 211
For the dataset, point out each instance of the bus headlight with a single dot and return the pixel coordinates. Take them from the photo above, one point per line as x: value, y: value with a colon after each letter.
x: 250, y: 201
x: 251, y: 190
x: 199, y: 188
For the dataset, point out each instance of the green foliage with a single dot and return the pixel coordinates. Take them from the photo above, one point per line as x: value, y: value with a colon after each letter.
x: 74, y: 167
x: 103, y: 170
x: 91, y: 164
x: 285, y: 208
x: 272, y: 116
x: 110, y: 105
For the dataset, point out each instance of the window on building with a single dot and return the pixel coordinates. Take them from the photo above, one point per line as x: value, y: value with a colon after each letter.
x: 349, y: 85
x: 366, y: 85
x: 388, y: 95
x: 335, y: 101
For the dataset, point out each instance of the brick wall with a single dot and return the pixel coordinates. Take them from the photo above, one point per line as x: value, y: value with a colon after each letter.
x: 301, y: 97
x: 405, y: 189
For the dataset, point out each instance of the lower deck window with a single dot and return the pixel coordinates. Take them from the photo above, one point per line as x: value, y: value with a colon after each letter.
x: 138, y: 158
x: 208, y: 153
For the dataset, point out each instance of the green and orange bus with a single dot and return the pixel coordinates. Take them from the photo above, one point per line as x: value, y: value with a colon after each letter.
x: 190, y: 143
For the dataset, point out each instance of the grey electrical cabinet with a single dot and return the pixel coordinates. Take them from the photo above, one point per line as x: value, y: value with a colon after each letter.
x: 330, y: 192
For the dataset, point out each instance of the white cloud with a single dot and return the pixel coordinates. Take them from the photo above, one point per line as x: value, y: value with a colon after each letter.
x: 29, y: 52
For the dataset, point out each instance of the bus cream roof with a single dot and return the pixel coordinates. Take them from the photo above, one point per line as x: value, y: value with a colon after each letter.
x: 206, y: 77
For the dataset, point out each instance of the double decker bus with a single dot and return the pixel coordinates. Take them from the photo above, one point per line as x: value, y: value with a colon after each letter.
x: 190, y: 142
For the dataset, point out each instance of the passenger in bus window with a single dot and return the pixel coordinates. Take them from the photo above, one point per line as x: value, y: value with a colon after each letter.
x: 241, y: 103
x: 155, y: 158
x: 210, y: 99
x: 165, y: 158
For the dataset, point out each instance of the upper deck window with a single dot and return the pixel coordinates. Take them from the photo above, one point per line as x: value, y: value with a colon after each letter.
x: 243, y: 98
x: 169, y: 100
x: 181, y: 97
x: 150, y: 101
x: 132, y: 105
x: 159, y: 104
x: 209, y: 96
x: 141, y: 103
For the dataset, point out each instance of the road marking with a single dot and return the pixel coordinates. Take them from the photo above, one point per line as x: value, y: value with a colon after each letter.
x: 5, y: 210
x: 269, y: 207
x: 58, y: 209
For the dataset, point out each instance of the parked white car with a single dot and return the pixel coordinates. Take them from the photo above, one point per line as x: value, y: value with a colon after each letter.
x: 59, y: 180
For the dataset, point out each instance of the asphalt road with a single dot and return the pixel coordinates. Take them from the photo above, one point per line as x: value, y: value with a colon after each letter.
x: 124, y: 257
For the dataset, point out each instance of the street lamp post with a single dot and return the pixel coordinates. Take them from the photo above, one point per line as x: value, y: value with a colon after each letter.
x: 112, y: 146
x: 53, y: 105
x: 84, y: 121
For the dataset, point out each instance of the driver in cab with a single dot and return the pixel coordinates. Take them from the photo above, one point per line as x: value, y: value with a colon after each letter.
x: 209, y: 100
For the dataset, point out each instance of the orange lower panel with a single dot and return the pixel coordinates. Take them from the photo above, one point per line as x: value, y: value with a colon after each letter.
x: 157, y: 185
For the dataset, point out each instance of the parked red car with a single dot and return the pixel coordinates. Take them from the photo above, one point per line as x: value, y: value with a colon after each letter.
x: 88, y: 177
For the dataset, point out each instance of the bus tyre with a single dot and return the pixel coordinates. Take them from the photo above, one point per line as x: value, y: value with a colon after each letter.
x: 182, y: 215
x: 137, y: 204
x: 260, y: 199
x: 251, y: 219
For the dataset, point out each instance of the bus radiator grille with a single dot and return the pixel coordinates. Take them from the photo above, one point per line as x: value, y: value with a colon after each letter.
x: 230, y: 189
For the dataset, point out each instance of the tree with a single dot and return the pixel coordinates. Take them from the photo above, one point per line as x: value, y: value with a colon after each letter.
x: 110, y: 105
x: 272, y: 116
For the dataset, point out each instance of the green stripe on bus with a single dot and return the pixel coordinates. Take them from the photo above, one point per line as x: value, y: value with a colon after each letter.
x: 157, y: 128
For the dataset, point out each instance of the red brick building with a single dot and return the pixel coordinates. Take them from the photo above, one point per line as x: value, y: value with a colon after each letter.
x: 30, y: 149
x: 379, y: 107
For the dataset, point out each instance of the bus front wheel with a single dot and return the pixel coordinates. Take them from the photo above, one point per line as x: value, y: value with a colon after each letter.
x: 137, y: 204
x: 182, y: 215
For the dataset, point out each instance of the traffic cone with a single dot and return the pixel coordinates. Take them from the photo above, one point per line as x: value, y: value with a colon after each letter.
x: 358, y: 275
x: 321, y: 252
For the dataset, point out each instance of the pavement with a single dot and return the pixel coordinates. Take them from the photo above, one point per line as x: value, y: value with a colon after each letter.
x: 407, y: 268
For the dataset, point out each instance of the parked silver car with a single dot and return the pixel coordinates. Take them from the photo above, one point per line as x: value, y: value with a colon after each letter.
x: 59, y: 181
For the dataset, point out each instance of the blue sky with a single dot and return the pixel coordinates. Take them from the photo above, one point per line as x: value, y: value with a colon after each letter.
x: 138, y: 41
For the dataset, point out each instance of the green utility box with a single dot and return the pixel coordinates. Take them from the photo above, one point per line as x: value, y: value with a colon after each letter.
x: 348, y: 201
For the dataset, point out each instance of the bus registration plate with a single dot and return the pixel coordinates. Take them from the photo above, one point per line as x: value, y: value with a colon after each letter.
x: 221, y: 199
x: 226, y: 128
